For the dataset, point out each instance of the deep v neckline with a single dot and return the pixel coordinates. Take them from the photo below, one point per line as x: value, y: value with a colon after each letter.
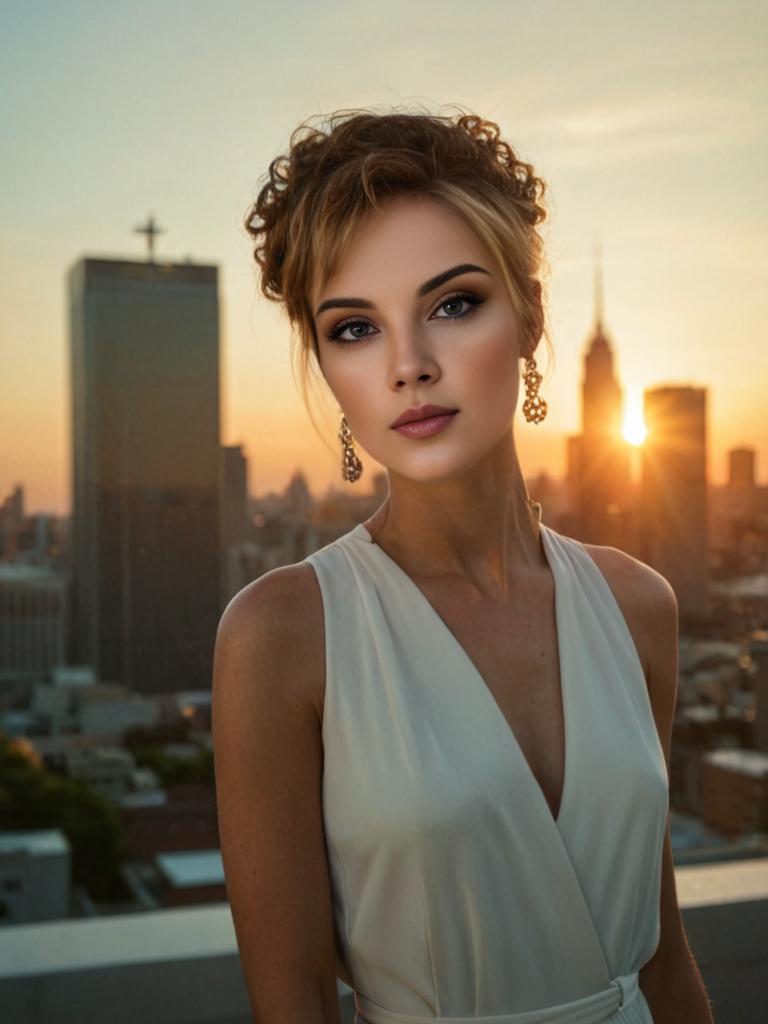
x: 479, y: 682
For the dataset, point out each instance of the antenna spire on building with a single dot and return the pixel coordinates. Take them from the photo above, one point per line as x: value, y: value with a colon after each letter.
x: 598, y: 289
x: 150, y: 229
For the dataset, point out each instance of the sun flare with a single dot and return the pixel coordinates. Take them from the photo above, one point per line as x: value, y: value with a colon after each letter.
x: 634, y: 430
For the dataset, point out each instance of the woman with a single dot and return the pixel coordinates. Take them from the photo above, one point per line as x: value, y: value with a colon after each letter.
x: 442, y: 740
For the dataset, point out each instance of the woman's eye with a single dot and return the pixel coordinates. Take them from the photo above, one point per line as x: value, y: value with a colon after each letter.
x: 347, y: 325
x: 468, y: 298
x: 454, y: 300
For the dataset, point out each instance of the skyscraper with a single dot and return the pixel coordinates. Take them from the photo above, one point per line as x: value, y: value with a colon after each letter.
x: 742, y: 492
x: 603, y: 472
x: 674, y: 493
x: 741, y: 467
x: 144, y: 348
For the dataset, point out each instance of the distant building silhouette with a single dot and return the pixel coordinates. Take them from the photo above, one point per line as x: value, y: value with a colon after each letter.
x: 11, y: 522
x: 741, y: 467
x: 742, y: 486
x: 673, y: 514
x: 599, y: 459
x: 243, y: 560
x: 235, y: 495
x: 32, y: 627
x: 146, y: 561
x: 298, y: 497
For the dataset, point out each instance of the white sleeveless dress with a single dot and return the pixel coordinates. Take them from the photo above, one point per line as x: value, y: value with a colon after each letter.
x: 457, y: 897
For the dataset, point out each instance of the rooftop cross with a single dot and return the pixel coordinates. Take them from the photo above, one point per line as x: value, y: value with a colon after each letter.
x: 150, y: 229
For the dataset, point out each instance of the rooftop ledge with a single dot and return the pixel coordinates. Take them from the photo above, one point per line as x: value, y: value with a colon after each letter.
x: 182, y: 964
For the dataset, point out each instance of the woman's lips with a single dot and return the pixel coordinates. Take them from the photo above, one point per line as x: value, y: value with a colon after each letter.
x: 426, y: 428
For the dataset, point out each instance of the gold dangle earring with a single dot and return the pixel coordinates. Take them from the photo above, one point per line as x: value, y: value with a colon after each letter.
x: 351, y: 466
x: 534, y: 406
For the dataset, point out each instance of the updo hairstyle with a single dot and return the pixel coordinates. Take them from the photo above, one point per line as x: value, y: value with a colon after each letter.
x: 316, y: 195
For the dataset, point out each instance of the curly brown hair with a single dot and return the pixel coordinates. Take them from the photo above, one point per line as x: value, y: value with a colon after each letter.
x: 315, y: 196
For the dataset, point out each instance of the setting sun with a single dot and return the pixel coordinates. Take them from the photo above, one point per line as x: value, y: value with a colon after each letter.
x: 634, y: 430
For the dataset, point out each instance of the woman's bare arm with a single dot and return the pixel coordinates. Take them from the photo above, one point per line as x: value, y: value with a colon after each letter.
x: 268, y: 763
x: 670, y: 981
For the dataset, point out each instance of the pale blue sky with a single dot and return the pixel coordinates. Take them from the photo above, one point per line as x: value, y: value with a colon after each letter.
x: 647, y: 120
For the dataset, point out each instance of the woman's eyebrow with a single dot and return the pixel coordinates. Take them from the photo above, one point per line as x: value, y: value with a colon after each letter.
x: 428, y: 286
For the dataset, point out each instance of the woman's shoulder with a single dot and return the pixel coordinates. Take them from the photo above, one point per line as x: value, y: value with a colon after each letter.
x: 282, y: 611
x: 645, y: 597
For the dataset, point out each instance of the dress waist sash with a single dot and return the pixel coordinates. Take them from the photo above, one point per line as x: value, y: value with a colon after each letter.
x: 590, y: 1009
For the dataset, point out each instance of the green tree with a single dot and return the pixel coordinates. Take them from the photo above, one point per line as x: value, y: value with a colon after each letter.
x: 171, y: 770
x: 33, y: 798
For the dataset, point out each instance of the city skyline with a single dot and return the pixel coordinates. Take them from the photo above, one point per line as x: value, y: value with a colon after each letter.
x: 665, y: 171
x: 186, y: 710
x: 631, y: 428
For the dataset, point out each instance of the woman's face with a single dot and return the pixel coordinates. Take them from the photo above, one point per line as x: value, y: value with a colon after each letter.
x: 391, y: 338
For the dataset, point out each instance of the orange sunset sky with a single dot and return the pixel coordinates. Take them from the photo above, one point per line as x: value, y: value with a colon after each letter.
x: 647, y: 121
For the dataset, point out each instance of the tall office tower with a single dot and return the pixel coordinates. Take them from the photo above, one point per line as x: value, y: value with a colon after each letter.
x: 146, y: 559
x: 741, y: 467
x: 673, y: 514
x: 604, y: 474
x: 234, y: 495
x: 742, y: 493
x: 238, y: 563
x: 12, y: 518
